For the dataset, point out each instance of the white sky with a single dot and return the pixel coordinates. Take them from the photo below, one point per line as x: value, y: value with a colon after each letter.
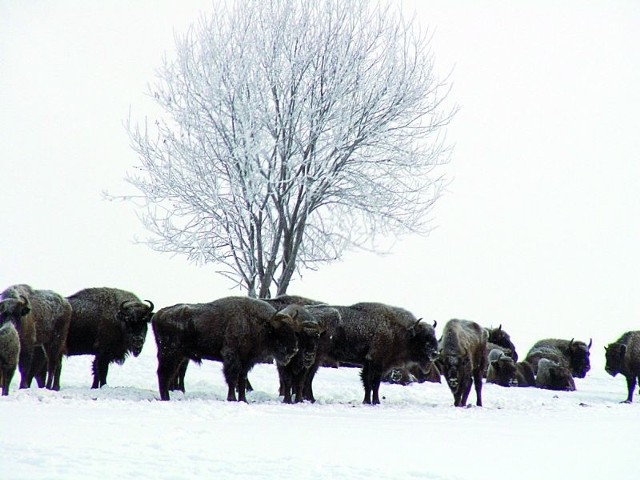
x: 540, y: 228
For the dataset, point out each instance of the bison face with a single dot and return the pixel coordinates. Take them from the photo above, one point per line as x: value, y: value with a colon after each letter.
x: 282, y: 339
x: 455, y: 370
x: 308, y: 340
x: 614, y: 355
x: 505, y: 371
x: 580, y: 363
x: 135, y: 317
x: 423, y: 345
x: 561, y: 379
x: 13, y: 309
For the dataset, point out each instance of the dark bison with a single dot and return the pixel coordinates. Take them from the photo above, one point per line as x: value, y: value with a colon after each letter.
x: 413, y: 374
x: 293, y: 374
x: 237, y: 331
x: 524, y: 375
x: 497, y: 336
x: 571, y: 354
x: 280, y: 302
x: 9, y: 350
x: 623, y: 357
x: 377, y: 337
x: 463, y: 358
x: 502, y: 369
x: 553, y: 376
x: 109, y: 323
x: 43, y: 324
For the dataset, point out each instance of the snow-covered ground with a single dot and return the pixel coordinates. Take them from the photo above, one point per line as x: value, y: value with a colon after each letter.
x: 122, y: 430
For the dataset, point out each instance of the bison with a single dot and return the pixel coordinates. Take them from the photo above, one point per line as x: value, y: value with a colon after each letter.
x: 502, y: 369
x: 108, y: 323
x: 237, y: 331
x: 524, y: 375
x: 9, y: 350
x: 623, y: 356
x: 571, y: 354
x: 553, y: 376
x: 375, y: 336
x: 463, y: 358
x: 42, y: 328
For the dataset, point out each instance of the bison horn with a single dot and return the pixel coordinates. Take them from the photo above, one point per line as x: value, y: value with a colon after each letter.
x: 500, y: 327
x: 151, y: 305
x: 571, y: 342
x: 435, y: 322
x: 590, y: 343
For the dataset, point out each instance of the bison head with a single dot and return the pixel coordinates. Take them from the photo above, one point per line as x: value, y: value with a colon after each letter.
x: 503, y: 371
x: 502, y: 339
x: 556, y: 376
x: 614, y: 355
x: 455, y: 369
x: 135, y: 317
x: 13, y: 309
x: 579, y: 352
x: 308, y: 339
x: 282, y: 339
x: 422, y: 343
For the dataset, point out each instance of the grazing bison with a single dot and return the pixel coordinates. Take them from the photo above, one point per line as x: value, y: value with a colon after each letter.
x: 463, y: 358
x: 42, y: 328
x: 109, y: 323
x: 623, y: 357
x: 553, y: 376
x: 9, y: 350
x: 377, y: 337
x: 502, y: 369
x: 237, y: 331
x: 571, y: 354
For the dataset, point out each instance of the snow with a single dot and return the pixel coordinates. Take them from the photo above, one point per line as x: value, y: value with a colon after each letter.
x: 123, y: 431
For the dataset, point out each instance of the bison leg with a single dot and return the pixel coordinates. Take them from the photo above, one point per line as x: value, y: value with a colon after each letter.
x: 242, y: 387
x: 307, y: 389
x: 365, y: 375
x: 231, y: 369
x: 463, y: 392
x: 631, y: 385
x: 39, y: 363
x: 24, y: 364
x: 286, y: 383
x: 6, y: 376
x: 100, y: 370
x: 168, y: 368
x: 177, y: 382
x: 375, y: 377
x: 477, y: 382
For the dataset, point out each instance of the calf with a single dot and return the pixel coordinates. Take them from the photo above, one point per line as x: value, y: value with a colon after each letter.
x: 623, y: 357
x: 9, y: 350
x: 463, y: 358
x: 237, y: 331
x: 502, y: 369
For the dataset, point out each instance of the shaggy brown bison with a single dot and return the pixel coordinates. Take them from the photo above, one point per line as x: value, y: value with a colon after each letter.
x: 497, y: 336
x: 108, y: 323
x: 571, y: 354
x: 623, y: 357
x: 463, y: 358
x: 502, y: 369
x: 237, y: 331
x: 374, y: 336
x: 553, y: 376
x: 9, y: 351
x: 43, y: 324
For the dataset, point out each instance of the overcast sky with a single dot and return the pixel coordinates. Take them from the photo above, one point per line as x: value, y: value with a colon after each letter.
x: 539, y: 229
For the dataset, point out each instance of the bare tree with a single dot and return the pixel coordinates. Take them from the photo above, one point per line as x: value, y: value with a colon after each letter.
x: 291, y: 131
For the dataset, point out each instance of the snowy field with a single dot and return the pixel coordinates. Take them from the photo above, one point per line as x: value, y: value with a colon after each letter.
x: 122, y: 430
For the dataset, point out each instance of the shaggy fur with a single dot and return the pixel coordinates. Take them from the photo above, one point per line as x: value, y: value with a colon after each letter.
x: 570, y: 354
x: 237, y: 331
x: 463, y: 358
x: 9, y: 354
x: 502, y: 369
x: 623, y: 357
x: 499, y: 337
x: 108, y: 323
x: 43, y: 333
x: 552, y: 376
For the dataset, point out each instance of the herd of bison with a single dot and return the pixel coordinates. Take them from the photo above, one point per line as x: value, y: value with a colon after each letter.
x: 39, y: 327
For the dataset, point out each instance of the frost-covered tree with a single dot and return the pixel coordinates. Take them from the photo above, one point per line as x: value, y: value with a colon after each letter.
x: 291, y: 131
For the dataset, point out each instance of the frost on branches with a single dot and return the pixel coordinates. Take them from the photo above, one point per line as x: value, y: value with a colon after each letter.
x: 291, y: 131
